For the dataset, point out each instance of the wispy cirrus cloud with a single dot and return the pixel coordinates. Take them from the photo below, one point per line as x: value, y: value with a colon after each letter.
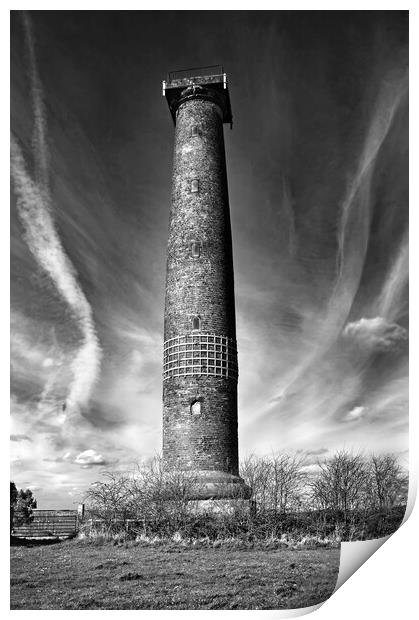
x: 356, y: 207
x: 320, y: 177
x: 39, y: 135
x: 34, y: 205
x: 318, y: 348
x: 392, y: 303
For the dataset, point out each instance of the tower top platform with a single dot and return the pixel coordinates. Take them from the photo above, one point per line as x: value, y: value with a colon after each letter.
x: 201, y: 83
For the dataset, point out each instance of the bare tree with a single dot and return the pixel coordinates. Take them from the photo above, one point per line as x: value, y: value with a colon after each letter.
x: 388, y: 481
x: 160, y: 494
x: 256, y: 473
x: 340, y: 482
x: 276, y: 481
x: 109, y: 499
x: 148, y: 494
x: 349, y: 487
x: 286, y: 479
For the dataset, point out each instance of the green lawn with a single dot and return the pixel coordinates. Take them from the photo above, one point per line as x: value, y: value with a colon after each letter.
x: 71, y: 575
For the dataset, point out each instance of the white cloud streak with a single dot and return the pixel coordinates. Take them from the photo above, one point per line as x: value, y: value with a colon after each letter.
x: 34, y: 210
x: 390, y: 301
x: 39, y: 137
x: 353, y: 232
x: 390, y: 97
x: 288, y: 210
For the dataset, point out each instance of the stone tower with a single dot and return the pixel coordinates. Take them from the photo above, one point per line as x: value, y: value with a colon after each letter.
x: 200, y: 353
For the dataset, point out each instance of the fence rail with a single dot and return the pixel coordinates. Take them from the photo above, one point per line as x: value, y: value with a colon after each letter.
x: 46, y: 523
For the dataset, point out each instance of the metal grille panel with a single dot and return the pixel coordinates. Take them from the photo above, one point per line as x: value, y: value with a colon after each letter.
x: 200, y: 354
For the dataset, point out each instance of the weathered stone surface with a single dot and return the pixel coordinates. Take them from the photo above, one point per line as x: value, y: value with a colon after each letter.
x: 221, y: 506
x: 200, y: 285
x: 206, y: 441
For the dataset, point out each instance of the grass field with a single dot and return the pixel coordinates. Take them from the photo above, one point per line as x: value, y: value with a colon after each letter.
x: 71, y: 575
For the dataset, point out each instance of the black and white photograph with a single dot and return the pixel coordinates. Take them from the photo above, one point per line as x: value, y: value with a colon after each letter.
x: 209, y: 312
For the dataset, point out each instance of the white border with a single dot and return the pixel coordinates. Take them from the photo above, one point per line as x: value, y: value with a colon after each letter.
x: 386, y: 585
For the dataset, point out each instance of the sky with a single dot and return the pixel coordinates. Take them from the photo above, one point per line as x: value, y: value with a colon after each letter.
x: 317, y: 164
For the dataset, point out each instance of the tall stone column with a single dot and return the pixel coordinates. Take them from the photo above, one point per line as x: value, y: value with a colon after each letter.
x: 200, y: 353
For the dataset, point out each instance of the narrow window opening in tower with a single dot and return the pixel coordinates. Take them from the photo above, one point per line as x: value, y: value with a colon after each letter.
x: 195, y: 131
x: 194, y: 185
x: 195, y: 249
x: 196, y: 323
x: 196, y: 407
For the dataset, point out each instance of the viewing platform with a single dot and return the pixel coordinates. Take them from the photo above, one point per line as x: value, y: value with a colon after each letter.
x: 201, y: 81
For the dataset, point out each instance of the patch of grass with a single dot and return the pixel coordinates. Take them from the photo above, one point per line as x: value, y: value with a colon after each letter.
x: 173, y: 542
x: 82, y: 576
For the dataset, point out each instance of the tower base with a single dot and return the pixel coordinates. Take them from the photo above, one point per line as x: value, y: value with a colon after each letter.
x: 218, y: 485
x: 221, y: 507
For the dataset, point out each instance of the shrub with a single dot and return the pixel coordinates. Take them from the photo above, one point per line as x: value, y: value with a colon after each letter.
x: 151, y: 505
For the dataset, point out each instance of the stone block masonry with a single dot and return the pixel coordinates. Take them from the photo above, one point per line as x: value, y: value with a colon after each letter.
x: 200, y: 285
x: 206, y: 440
x: 200, y: 355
